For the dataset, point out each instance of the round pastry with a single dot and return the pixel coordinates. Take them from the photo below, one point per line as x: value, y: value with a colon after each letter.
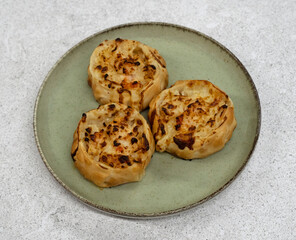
x: 191, y: 119
x: 112, y: 145
x: 126, y: 71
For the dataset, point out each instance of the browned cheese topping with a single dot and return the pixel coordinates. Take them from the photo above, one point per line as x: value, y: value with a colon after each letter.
x: 125, y: 67
x: 187, y: 116
x: 117, y: 139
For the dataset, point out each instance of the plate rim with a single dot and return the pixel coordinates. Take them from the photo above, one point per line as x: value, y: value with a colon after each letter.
x: 168, y: 212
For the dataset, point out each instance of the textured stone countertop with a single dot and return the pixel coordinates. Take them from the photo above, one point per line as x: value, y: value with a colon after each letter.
x: 259, y: 204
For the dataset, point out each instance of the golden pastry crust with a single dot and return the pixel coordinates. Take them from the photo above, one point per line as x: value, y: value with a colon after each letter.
x: 191, y: 119
x: 112, y: 145
x: 126, y: 71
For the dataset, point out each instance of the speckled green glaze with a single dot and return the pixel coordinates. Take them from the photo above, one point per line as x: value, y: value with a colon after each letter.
x: 171, y: 184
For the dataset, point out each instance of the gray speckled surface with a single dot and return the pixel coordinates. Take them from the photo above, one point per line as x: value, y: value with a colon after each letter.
x: 259, y: 204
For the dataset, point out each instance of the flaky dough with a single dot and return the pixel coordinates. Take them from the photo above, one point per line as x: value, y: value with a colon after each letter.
x: 112, y: 145
x: 126, y: 71
x: 192, y: 119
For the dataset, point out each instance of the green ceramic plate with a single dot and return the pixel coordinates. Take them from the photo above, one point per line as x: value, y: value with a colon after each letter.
x: 171, y: 184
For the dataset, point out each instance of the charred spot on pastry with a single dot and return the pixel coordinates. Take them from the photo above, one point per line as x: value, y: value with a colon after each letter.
x: 88, y: 129
x: 115, y: 143
x: 152, y: 116
x: 155, y: 137
x: 105, y: 76
x: 224, y: 106
x: 114, y: 49
x: 153, y: 67
x: 128, y: 113
x: 162, y: 129
x: 177, y: 127
x: 157, y: 59
x: 103, y: 167
x: 104, y: 158
x: 137, y: 63
x: 115, y: 128
x: 184, y: 140
x: 99, y: 67
x: 83, y: 117
x: 128, y: 162
x: 118, y: 40
x: 111, y: 107
x: 104, y: 124
x: 170, y: 106
x: 92, y: 137
x: 114, y: 114
x: 213, y: 104
x: 109, y: 85
x: 165, y: 110
x: 104, y: 69
x: 123, y: 158
x: 179, y: 119
x: 135, y: 129
x: 103, y: 144
x: 139, y: 122
x: 200, y: 110
x: 198, y: 102
x: 111, y: 164
x: 211, y: 122
x: 73, y: 154
x: 134, y: 140
x: 192, y: 128
x: 190, y: 105
x: 86, y: 139
x: 146, y: 143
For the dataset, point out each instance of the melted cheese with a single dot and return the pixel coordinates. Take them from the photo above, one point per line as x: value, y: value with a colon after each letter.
x: 113, y: 140
x: 186, y: 116
x: 128, y: 72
